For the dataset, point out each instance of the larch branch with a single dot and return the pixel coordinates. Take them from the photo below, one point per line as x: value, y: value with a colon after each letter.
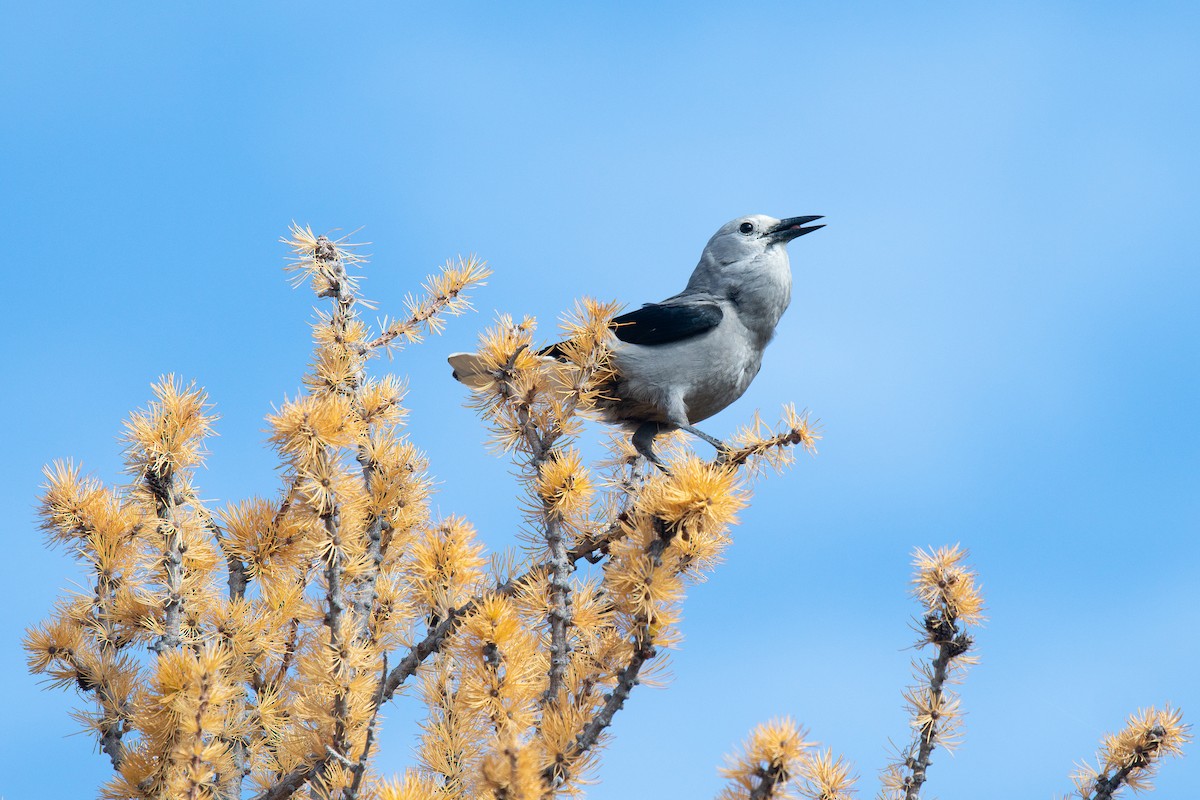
x: 161, y: 485
x: 643, y: 651
x: 425, y: 648
x: 927, y: 735
x: 769, y: 780
x: 560, y: 597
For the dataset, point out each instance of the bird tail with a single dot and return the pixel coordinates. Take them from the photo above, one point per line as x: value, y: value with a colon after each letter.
x: 470, y: 369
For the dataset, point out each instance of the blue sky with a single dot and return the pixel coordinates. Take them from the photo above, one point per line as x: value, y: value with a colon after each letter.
x: 998, y: 328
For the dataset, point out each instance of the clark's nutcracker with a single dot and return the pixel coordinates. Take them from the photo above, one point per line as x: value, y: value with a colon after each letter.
x: 681, y: 361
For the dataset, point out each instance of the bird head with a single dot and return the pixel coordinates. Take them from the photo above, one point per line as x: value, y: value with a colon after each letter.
x: 748, y: 237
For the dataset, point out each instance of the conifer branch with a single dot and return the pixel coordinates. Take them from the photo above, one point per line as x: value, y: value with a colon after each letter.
x: 1107, y: 785
x: 423, y: 649
x: 755, y: 443
x: 111, y: 733
x: 540, y: 447
x: 643, y: 651
x: 161, y: 484
x: 239, y: 577
x: 335, y: 600
x: 362, y: 596
x: 927, y: 735
x: 114, y: 718
x: 111, y: 725
x: 444, y: 294
x: 436, y: 637
x: 292, y: 782
x: 560, y: 597
x: 947, y: 589
x: 770, y: 778
x: 289, y: 652
x: 1131, y: 757
x: 360, y: 767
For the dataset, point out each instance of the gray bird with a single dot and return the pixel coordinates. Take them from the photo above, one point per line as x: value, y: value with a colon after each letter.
x: 681, y: 361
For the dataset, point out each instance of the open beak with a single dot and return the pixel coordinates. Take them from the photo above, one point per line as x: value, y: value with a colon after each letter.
x: 793, y: 227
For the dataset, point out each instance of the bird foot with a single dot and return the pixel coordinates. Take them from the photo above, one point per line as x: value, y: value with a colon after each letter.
x: 643, y: 442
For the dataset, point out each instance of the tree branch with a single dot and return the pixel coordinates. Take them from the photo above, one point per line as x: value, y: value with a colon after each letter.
x: 927, y: 736
x: 643, y: 651
x: 336, y: 599
x: 1106, y: 785
x: 161, y: 485
x: 591, y: 549
x: 292, y: 782
x: 560, y: 598
x: 360, y: 767
x: 769, y: 780
x: 425, y: 648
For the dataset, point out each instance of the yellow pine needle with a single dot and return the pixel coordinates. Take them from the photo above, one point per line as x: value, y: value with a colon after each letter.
x: 168, y: 436
x: 773, y: 752
x: 826, y: 777
x: 942, y: 582
x: 564, y: 484
x: 1134, y: 752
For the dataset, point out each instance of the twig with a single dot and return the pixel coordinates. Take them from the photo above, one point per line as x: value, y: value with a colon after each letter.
x: 1106, y: 786
x: 643, y: 651
x: 289, y: 652
x: 425, y: 648
x: 238, y: 574
x: 111, y: 723
x: 112, y: 720
x: 335, y: 597
x: 161, y: 485
x: 291, y: 783
x: 541, y: 450
x: 415, y: 321
x: 360, y: 768
x: 919, y: 765
x: 560, y: 598
x: 769, y: 779
x: 736, y: 457
x: 294, y: 780
x: 433, y: 640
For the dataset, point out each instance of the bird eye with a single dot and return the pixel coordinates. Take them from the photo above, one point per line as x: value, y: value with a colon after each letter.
x: 746, y: 227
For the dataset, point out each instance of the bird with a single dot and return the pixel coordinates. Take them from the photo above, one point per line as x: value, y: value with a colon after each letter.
x: 680, y: 361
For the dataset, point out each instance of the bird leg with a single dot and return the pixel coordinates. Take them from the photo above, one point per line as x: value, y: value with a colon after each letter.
x: 643, y: 442
x: 722, y: 448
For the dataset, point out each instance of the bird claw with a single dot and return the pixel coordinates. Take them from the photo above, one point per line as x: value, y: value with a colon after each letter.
x: 643, y: 442
x: 658, y: 462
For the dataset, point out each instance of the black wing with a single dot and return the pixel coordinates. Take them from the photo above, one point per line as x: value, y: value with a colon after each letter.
x: 672, y: 321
